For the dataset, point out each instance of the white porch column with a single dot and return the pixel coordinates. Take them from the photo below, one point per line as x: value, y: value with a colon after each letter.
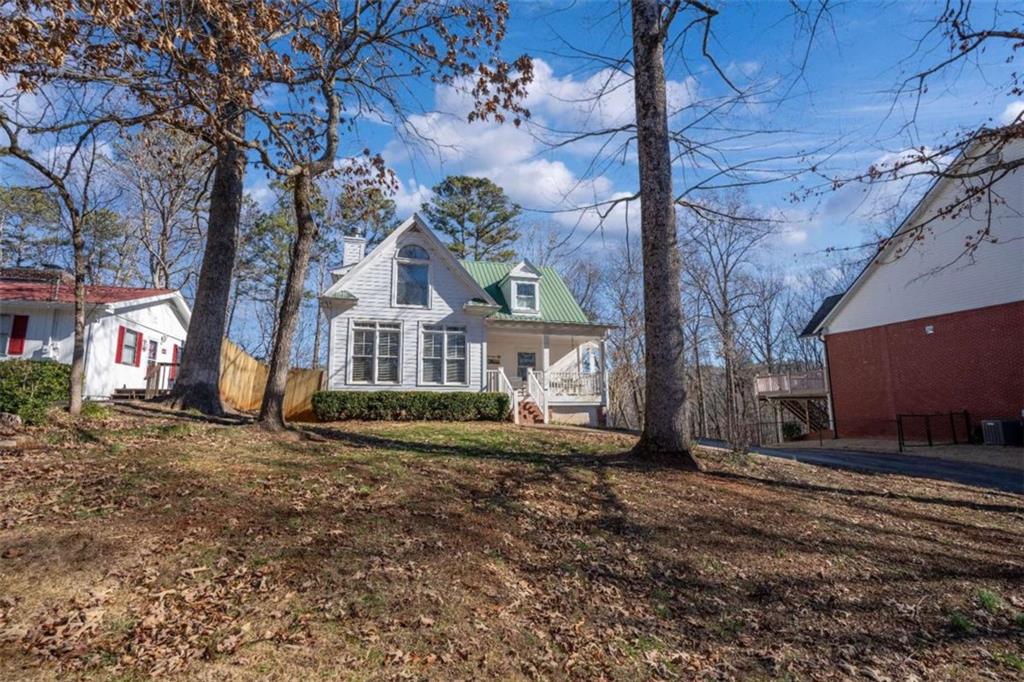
x: 604, y: 372
x: 483, y: 364
x: 545, y: 359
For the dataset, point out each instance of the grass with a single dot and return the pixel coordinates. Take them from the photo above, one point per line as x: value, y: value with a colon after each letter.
x: 132, y: 547
x: 1010, y: 660
x: 961, y: 624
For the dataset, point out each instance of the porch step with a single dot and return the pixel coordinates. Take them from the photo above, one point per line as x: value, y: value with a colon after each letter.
x: 134, y: 393
x: 529, y: 413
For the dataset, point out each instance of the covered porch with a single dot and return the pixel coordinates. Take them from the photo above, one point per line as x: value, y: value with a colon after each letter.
x: 558, y: 368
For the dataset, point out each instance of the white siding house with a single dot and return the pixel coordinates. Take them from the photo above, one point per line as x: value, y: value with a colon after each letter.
x: 128, y: 330
x: 410, y: 316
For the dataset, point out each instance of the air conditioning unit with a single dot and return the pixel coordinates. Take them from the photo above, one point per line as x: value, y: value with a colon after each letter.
x: 1001, y: 432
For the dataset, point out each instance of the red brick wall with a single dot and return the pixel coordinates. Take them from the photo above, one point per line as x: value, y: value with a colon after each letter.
x: 973, y: 360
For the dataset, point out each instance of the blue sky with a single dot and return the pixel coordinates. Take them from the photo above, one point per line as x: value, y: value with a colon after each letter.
x: 841, y: 105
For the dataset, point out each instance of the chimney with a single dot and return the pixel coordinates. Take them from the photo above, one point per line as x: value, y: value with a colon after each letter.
x: 355, y: 248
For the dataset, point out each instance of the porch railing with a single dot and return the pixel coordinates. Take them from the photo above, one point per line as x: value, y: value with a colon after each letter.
x: 497, y: 382
x: 804, y: 383
x: 160, y: 377
x: 571, y: 383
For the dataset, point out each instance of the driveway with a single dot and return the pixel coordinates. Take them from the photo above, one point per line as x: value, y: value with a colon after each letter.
x: 978, y: 475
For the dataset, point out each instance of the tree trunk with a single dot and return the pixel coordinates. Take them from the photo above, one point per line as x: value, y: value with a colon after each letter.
x: 272, y: 409
x: 664, y: 430
x: 197, y: 384
x: 77, y: 387
x: 317, y: 319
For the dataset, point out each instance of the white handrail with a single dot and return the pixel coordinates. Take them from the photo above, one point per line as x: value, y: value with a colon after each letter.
x: 497, y: 382
x: 537, y: 392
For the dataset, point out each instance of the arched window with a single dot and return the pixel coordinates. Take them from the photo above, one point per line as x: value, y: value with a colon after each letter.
x: 413, y: 252
x: 412, y: 278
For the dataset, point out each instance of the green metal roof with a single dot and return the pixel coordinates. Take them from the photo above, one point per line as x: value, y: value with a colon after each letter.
x: 557, y: 304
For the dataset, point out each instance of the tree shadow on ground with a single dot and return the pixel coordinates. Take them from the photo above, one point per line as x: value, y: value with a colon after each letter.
x: 858, y: 492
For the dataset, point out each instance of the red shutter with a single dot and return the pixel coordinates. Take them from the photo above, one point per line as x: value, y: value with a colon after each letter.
x: 173, y: 372
x: 120, y: 344
x: 138, y: 348
x: 19, y: 328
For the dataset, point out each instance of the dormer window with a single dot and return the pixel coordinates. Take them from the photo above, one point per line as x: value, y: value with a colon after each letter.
x: 525, y: 296
x: 412, y: 276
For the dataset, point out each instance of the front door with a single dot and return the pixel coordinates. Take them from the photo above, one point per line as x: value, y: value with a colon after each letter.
x: 524, y: 363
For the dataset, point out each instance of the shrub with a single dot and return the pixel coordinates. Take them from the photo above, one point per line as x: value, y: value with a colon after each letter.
x: 29, y: 387
x: 410, y: 405
x: 791, y: 431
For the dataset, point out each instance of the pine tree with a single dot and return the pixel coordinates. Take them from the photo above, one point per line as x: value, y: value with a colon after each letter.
x: 476, y: 216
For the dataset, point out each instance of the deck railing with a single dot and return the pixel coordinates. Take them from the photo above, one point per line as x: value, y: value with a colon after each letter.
x: 570, y: 383
x: 160, y: 377
x: 803, y: 383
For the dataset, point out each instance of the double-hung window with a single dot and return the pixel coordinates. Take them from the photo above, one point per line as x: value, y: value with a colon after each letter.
x: 129, y: 347
x: 375, y: 352
x: 526, y: 296
x: 443, y: 355
x: 412, y: 276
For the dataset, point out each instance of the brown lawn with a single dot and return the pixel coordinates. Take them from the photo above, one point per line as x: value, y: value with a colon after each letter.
x: 132, y: 546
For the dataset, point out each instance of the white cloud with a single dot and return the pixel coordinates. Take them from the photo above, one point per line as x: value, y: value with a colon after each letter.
x: 516, y: 157
x: 888, y: 198
x: 1012, y: 112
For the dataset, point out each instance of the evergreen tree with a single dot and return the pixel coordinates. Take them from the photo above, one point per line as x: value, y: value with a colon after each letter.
x: 368, y: 212
x: 29, y: 227
x: 476, y: 216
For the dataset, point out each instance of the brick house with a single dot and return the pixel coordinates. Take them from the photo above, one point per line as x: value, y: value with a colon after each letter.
x: 929, y: 327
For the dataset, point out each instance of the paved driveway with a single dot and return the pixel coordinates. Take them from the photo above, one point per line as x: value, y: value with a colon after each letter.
x: 979, y: 475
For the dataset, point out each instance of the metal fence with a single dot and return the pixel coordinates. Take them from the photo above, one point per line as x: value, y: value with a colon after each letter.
x: 941, y: 428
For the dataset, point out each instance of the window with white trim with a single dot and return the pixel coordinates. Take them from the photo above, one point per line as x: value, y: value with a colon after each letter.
x: 525, y: 295
x: 443, y: 356
x: 375, y: 352
x: 5, y: 332
x: 129, y: 347
x: 412, y: 276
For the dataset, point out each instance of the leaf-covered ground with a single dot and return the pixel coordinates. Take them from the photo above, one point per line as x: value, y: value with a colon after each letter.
x: 133, y: 546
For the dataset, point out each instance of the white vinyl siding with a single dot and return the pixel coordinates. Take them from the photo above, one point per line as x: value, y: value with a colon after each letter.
x: 374, y: 290
x: 934, y: 277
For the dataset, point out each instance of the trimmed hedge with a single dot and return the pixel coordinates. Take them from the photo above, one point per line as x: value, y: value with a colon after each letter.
x: 410, y: 405
x: 29, y: 387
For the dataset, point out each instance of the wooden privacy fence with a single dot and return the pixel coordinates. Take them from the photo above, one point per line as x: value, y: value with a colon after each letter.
x: 243, y: 379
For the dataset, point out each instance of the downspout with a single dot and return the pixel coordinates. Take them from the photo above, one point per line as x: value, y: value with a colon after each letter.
x: 828, y: 391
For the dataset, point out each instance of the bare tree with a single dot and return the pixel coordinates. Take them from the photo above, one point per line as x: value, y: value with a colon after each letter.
x: 164, y: 172
x: 365, y: 53
x: 71, y: 123
x: 721, y: 241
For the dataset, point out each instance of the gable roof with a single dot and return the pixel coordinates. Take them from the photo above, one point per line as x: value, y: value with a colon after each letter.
x: 337, y: 290
x: 557, y: 304
x: 824, y: 309
x: 57, y: 286
x: 937, y: 185
x: 50, y: 285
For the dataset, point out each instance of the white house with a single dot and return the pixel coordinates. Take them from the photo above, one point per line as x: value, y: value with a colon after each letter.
x: 130, y: 332
x: 410, y: 316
